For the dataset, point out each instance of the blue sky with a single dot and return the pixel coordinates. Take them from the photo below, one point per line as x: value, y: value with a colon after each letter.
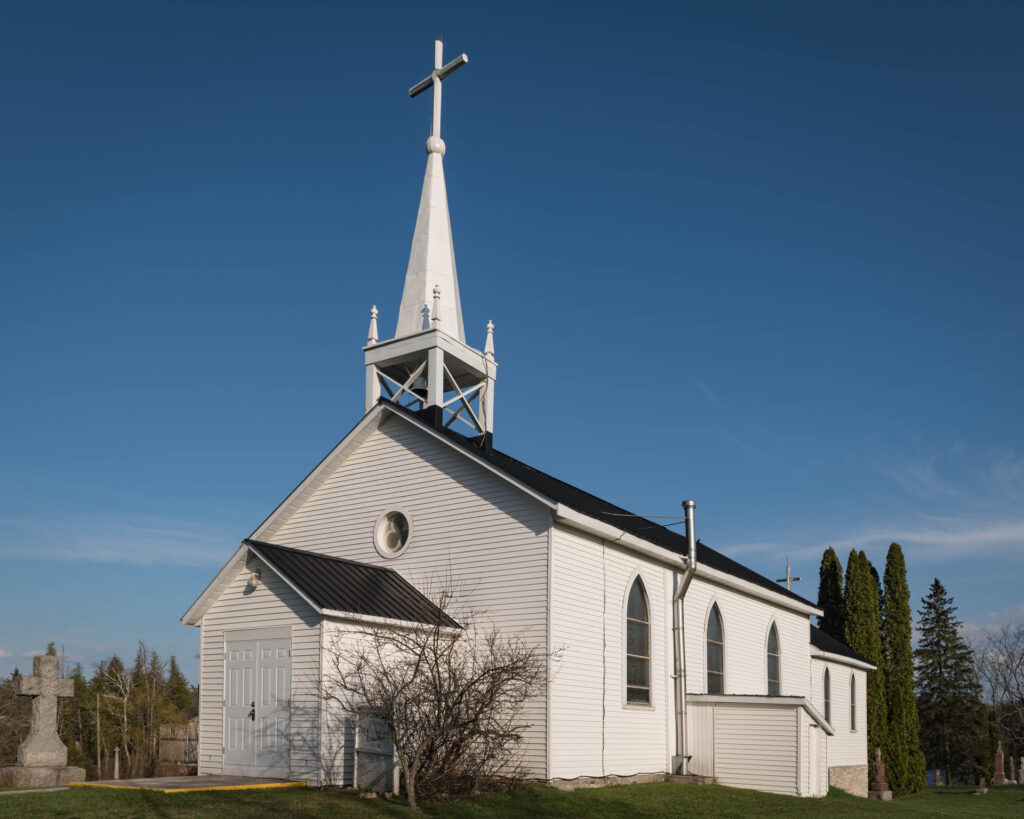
x: 767, y: 256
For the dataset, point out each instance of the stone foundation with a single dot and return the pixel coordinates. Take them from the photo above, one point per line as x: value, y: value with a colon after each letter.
x: 40, y: 776
x: 605, y: 781
x: 850, y: 778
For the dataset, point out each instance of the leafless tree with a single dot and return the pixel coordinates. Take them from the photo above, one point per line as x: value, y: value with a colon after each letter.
x: 15, y: 718
x: 451, y: 696
x: 1000, y: 661
x: 118, y: 683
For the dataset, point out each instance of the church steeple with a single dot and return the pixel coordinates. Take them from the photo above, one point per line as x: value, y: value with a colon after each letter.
x: 432, y: 258
x: 428, y: 365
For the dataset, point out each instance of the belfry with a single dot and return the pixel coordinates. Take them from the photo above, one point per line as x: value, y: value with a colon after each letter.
x: 428, y: 365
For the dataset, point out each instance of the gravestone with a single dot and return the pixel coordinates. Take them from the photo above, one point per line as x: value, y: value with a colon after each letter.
x: 42, y: 757
x: 1013, y: 771
x: 982, y: 789
x: 879, y: 787
x: 999, y: 778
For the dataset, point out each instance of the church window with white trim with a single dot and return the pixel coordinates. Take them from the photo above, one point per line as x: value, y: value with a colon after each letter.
x: 638, y: 646
x: 715, y: 652
x: 774, y: 677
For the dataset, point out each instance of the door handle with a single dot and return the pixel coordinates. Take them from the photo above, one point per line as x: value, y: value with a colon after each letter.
x: 252, y: 713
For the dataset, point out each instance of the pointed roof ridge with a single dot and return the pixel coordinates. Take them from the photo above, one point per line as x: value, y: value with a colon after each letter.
x: 432, y: 261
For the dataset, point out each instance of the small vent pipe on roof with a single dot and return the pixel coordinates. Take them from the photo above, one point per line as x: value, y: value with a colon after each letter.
x: 680, y: 761
x: 691, y: 537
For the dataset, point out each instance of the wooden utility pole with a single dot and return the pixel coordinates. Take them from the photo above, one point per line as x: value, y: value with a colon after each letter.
x: 98, y: 772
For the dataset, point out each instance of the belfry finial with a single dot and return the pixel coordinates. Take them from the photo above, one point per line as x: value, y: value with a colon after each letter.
x: 489, y: 344
x: 435, y: 316
x: 371, y: 337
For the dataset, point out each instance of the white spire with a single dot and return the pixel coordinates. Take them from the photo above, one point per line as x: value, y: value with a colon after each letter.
x: 432, y: 258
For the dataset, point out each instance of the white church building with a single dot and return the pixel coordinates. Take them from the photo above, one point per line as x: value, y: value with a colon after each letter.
x: 669, y: 657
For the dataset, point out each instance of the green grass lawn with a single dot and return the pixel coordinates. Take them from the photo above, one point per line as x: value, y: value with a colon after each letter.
x: 627, y: 801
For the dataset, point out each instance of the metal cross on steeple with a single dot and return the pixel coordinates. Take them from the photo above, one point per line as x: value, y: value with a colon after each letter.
x: 788, y: 579
x: 438, y: 74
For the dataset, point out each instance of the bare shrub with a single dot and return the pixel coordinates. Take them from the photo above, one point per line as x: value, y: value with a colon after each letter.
x: 451, y: 696
x: 999, y: 657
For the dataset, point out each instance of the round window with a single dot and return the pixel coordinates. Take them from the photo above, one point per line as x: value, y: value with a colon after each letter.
x: 392, y: 533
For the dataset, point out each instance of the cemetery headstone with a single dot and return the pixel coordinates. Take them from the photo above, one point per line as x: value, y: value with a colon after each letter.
x: 982, y: 788
x: 879, y: 787
x: 999, y: 778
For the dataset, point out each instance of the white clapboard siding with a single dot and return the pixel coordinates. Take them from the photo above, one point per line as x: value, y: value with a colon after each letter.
x: 745, y: 621
x: 470, y: 529
x: 822, y: 762
x: 593, y: 731
x: 846, y: 747
x: 757, y: 747
x: 271, y: 604
x: 700, y: 732
x: 339, y: 725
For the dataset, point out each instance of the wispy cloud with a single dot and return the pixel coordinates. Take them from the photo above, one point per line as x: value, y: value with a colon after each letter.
x: 936, y: 539
x: 4, y: 654
x: 729, y: 421
x: 135, y: 541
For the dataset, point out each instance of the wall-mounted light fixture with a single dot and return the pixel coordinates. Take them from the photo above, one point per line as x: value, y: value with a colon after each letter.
x: 254, y: 579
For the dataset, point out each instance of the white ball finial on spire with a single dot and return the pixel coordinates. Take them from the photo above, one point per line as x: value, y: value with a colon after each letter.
x: 371, y: 337
x: 436, y: 315
x: 489, y: 344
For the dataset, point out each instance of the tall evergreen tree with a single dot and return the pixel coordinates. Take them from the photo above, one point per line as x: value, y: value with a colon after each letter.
x: 830, y: 594
x: 864, y: 635
x: 904, y: 758
x: 178, y: 690
x: 954, y: 722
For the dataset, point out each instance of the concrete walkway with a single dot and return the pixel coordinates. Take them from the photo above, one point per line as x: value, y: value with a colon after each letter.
x: 183, y: 784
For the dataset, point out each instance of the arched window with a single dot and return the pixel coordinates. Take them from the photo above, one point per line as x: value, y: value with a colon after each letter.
x: 774, y: 687
x: 828, y: 698
x: 853, y: 703
x: 638, y: 645
x: 716, y: 653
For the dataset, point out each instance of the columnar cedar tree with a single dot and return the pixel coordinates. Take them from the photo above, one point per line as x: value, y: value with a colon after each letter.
x: 904, y: 758
x: 830, y: 594
x: 864, y: 635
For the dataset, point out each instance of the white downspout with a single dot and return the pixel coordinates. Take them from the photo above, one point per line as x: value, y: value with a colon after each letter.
x: 680, y: 761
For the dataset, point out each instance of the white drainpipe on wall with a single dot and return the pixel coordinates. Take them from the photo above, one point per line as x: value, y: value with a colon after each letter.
x: 680, y: 761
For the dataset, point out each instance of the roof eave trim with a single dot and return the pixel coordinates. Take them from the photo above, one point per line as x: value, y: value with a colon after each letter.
x: 365, y: 425
x: 522, y: 487
x: 832, y: 657
x: 763, y: 699
x: 753, y: 590
x: 577, y: 520
x: 194, y: 615
x: 288, y: 581
x: 389, y: 622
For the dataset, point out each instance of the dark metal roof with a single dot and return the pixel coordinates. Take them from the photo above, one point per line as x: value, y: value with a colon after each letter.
x: 593, y: 506
x: 826, y: 642
x: 357, y: 588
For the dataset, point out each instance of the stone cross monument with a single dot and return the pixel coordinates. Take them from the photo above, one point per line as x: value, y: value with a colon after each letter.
x: 42, y: 757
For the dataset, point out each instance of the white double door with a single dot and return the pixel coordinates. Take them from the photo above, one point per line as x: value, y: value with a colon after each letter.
x: 257, y: 707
